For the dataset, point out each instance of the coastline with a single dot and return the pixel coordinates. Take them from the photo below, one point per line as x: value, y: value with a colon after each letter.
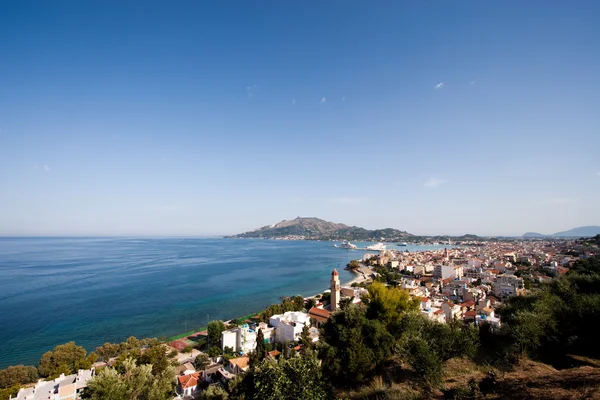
x: 360, y: 276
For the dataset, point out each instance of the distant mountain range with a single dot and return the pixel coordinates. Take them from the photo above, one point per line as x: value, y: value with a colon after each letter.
x: 582, y: 231
x: 318, y: 229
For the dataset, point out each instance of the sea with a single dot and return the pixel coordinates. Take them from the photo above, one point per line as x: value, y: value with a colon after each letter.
x: 94, y: 290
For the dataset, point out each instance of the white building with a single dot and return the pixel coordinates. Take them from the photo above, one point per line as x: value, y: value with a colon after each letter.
x: 507, y: 285
x: 448, y: 271
x: 288, y: 326
x: 62, y: 388
x: 240, y: 339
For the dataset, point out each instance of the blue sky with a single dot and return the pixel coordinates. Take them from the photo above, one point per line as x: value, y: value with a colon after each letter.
x: 199, y: 118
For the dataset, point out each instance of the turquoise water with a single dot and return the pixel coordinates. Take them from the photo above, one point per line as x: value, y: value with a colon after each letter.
x: 93, y: 290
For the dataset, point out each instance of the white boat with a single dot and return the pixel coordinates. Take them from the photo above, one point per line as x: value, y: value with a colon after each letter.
x: 377, y: 247
x: 347, y: 245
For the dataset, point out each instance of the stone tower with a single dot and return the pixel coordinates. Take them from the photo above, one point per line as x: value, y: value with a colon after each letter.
x: 335, y: 288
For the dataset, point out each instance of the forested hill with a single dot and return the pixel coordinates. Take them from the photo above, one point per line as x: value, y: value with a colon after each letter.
x: 318, y: 229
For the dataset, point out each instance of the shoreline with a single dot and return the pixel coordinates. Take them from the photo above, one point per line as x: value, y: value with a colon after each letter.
x: 360, y: 276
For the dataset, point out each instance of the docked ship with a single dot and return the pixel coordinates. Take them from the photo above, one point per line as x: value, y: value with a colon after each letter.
x: 376, y: 247
x: 346, y: 245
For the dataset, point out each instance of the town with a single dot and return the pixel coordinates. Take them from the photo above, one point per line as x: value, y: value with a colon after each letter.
x: 464, y: 285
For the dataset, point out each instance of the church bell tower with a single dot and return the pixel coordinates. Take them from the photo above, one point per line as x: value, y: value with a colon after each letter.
x: 335, y: 288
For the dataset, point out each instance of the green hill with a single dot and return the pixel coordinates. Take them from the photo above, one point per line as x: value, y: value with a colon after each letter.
x: 318, y: 229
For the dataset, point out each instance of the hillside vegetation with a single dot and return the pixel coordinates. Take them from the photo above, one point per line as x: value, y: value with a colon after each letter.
x: 318, y: 229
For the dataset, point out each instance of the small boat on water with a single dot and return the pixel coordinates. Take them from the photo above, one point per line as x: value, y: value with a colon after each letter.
x: 404, y: 244
x: 377, y: 247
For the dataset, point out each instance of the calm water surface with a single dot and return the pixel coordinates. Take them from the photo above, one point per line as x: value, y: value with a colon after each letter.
x: 93, y: 290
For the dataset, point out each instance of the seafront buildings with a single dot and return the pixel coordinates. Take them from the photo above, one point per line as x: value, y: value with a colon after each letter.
x: 67, y: 387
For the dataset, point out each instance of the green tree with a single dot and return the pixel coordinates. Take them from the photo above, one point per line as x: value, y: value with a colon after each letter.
x: 307, y: 377
x: 260, y: 344
x: 214, y: 351
x: 130, y: 344
x: 107, y: 384
x: 67, y: 358
x: 136, y: 382
x: 160, y: 356
x: 353, y: 265
x: 310, y: 303
x: 387, y: 305
x: 424, y: 360
x: 214, y: 392
x: 297, y: 378
x: 6, y: 393
x: 18, y: 375
x: 298, y: 303
x: 352, y: 346
x: 259, y: 353
x: 305, y: 339
x: 108, y: 351
x: 201, y: 361
x: 215, y: 328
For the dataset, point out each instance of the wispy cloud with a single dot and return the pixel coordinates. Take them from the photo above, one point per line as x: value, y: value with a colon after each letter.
x: 44, y: 167
x: 323, y: 100
x: 434, y: 182
x: 293, y: 102
x: 560, y: 200
x: 347, y: 200
x: 439, y: 85
x: 598, y: 173
x: 343, y: 98
x: 472, y: 83
x: 249, y: 89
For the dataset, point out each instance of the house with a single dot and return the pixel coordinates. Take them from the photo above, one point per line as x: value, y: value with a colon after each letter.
x: 288, y: 326
x: 454, y: 289
x: 268, y: 332
x: 239, y: 364
x: 425, y: 303
x: 508, y: 286
x: 185, y: 369
x: 438, y: 315
x: 469, y: 316
x: 187, y: 385
x: 240, y: 339
x: 62, y: 388
x: 451, y: 311
x: 448, y: 271
x: 210, y: 374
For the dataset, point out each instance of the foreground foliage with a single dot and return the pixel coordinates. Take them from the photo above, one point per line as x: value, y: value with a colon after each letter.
x: 553, y: 322
x: 134, y: 382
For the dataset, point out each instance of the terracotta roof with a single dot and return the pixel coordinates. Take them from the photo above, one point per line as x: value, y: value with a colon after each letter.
x: 470, y: 314
x: 469, y: 303
x: 321, y: 312
x: 424, y: 299
x: 189, y: 380
x: 439, y: 311
x: 241, y: 362
x: 274, y: 353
